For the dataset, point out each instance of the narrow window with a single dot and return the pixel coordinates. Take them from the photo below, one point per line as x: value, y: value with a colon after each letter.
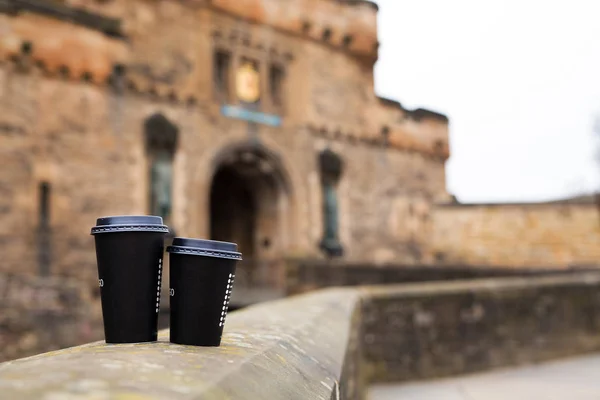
x: 276, y: 77
x: 44, y: 233
x: 161, y: 145
x: 221, y: 71
x: 331, y: 166
x: 347, y: 40
x: 44, y: 206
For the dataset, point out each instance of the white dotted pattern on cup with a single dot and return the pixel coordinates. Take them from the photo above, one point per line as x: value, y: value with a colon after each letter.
x: 158, y: 285
x: 227, y: 298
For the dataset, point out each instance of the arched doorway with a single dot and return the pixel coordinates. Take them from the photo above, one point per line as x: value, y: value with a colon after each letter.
x: 250, y: 205
x: 233, y: 210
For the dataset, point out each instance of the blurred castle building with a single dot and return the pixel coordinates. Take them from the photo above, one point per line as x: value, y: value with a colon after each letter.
x: 253, y: 121
x: 247, y: 121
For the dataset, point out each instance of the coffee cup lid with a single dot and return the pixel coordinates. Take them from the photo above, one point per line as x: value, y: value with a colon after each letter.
x: 203, y: 247
x: 130, y: 223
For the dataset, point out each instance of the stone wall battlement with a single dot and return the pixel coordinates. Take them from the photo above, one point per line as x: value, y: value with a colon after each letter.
x: 53, y: 47
x: 350, y: 26
x: 165, y: 51
x: 346, y: 25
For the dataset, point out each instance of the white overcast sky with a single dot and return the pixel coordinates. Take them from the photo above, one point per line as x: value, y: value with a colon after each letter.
x: 519, y: 80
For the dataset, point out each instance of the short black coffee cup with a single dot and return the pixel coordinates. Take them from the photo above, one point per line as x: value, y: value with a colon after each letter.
x: 129, y: 251
x: 201, y: 278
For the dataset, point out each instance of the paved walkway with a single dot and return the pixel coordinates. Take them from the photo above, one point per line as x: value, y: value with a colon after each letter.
x: 570, y: 379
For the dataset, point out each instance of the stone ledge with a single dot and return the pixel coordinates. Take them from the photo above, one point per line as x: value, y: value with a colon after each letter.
x: 305, y: 275
x: 481, y: 285
x: 289, y: 349
x: 330, y: 344
x: 434, y: 330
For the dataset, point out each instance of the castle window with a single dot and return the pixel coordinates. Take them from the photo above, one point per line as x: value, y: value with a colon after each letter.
x: 161, y: 145
x: 44, y: 233
x: 306, y: 27
x: 347, y: 40
x: 221, y: 72
x: 438, y: 146
x: 44, y: 205
x: 276, y: 78
x: 385, y: 134
x: 331, y: 166
x: 26, y: 47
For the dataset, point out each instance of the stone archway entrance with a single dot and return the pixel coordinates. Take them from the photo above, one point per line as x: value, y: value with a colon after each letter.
x: 250, y: 205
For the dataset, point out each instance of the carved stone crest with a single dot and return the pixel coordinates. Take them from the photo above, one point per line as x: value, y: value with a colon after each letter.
x: 247, y: 83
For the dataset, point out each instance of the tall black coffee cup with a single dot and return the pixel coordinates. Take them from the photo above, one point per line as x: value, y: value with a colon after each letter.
x: 129, y: 251
x: 201, y: 278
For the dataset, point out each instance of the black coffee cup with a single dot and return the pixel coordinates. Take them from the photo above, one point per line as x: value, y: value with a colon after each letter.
x: 129, y: 251
x: 201, y: 278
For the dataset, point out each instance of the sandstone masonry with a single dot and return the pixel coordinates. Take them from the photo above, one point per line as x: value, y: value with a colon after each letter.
x: 77, y: 88
x: 532, y: 235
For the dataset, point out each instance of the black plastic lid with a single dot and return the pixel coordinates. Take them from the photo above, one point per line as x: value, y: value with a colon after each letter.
x: 130, y: 223
x: 203, y: 247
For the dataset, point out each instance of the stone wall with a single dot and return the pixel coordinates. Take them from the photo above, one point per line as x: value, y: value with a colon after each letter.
x: 74, y: 99
x: 86, y: 143
x: 43, y: 314
x: 307, y: 275
x: 96, y: 166
x: 69, y: 120
x: 385, y: 204
x: 331, y: 344
x: 301, y: 348
x: 438, y: 329
x: 551, y: 235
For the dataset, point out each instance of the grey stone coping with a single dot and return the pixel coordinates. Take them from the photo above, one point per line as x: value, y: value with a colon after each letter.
x: 329, y: 344
x: 476, y: 285
x: 287, y: 349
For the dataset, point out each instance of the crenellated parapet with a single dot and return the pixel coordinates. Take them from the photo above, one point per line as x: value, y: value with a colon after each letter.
x: 75, y: 44
x: 60, y: 48
x: 419, y: 130
x: 165, y: 50
x: 347, y: 25
x: 386, y: 123
x: 89, y: 37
